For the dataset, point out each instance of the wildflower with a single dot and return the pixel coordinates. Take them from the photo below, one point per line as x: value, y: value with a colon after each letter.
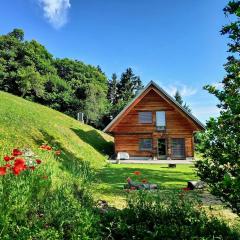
x: 2, y: 171
x: 16, y: 152
x: 144, y: 181
x: 32, y: 168
x: 19, y: 162
x: 38, y: 161
x: 133, y: 188
x: 7, y: 158
x: 137, y: 173
x: 19, y: 165
x: 58, y: 152
x: 186, y: 189
x: 7, y: 165
x: 16, y: 170
x: 46, y: 147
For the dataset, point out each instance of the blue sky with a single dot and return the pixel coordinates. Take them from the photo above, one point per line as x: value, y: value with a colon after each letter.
x: 175, y: 43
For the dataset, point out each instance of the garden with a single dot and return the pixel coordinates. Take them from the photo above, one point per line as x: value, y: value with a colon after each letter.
x: 37, y: 205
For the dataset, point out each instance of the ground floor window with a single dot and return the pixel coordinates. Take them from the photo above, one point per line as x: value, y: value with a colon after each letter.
x: 178, y: 148
x: 145, y: 144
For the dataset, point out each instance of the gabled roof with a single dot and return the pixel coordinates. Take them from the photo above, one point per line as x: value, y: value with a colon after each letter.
x: 166, y: 95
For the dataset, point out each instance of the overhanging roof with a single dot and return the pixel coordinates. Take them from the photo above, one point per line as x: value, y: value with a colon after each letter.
x: 166, y: 95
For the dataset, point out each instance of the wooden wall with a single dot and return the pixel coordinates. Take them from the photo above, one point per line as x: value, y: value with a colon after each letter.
x: 128, y: 130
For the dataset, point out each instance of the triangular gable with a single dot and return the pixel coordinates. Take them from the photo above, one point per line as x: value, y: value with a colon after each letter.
x: 162, y: 94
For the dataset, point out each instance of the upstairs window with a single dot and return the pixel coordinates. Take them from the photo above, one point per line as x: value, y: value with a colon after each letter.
x: 145, y: 144
x: 145, y: 117
x: 160, y: 120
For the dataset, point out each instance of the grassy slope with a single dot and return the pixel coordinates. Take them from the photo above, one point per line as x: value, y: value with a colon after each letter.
x: 27, y: 124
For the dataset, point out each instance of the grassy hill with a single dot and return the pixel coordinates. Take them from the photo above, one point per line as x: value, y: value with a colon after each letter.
x: 27, y: 124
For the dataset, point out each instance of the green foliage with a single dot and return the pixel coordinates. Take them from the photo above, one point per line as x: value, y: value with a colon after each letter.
x: 164, y: 215
x: 128, y: 85
x: 179, y: 99
x: 29, y: 81
x: 27, y: 69
x: 220, y: 144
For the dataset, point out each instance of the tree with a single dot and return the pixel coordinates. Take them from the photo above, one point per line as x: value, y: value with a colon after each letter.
x: 17, y: 33
x: 95, y: 104
x: 89, y: 85
x: 30, y: 81
x: 28, y: 70
x: 220, y: 143
x: 129, y: 85
x: 179, y: 99
x: 113, y: 89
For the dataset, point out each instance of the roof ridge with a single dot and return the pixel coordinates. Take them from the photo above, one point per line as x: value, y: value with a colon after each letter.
x: 165, y: 94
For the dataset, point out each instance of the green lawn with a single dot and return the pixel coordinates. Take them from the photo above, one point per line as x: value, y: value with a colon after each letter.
x: 112, y: 178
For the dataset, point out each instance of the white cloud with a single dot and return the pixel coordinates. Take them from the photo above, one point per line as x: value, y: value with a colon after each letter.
x: 183, y: 89
x: 56, y: 11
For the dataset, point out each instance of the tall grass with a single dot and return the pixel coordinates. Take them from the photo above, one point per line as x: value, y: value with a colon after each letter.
x: 164, y: 215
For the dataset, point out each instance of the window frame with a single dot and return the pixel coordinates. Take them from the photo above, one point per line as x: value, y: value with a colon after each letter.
x: 145, y: 149
x: 139, y: 118
x: 161, y: 127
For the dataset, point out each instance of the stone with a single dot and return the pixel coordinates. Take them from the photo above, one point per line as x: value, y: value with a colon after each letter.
x: 196, y: 185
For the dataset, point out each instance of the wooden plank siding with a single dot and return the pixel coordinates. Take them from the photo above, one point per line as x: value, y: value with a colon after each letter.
x: 127, y: 130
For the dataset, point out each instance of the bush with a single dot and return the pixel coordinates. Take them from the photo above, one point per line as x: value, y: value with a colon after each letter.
x: 164, y: 215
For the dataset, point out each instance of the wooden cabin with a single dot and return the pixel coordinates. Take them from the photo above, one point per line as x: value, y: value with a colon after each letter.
x: 154, y: 125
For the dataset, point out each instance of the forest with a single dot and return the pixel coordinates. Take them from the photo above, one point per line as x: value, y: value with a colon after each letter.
x: 29, y: 70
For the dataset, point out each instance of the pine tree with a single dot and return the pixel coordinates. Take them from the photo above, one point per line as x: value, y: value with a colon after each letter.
x: 129, y: 85
x: 113, y: 89
x: 179, y: 99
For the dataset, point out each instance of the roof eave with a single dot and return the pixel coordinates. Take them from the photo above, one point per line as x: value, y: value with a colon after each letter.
x: 195, y: 120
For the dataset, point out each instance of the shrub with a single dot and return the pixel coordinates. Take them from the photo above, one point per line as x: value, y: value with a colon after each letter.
x: 164, y: 215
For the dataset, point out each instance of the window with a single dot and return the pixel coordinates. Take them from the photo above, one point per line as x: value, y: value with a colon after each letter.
x: 145, y: 144
x: 145, y: 117
x: 160, y: 120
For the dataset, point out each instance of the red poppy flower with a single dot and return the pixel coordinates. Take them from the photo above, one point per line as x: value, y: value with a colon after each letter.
x: 46, y: 147
x: 137, y: 173
x: 19, y: 165
x: 32, y: 168
x: 16, y: 170
x: 58, y: 152
x: 12, y: 157
x: 16, y: 152
x: 38, y: 161
x: 144, y: 181
x: 2, y: 171
x: 7, y: 165
x: 7, y: 158
x: 19, y: 162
